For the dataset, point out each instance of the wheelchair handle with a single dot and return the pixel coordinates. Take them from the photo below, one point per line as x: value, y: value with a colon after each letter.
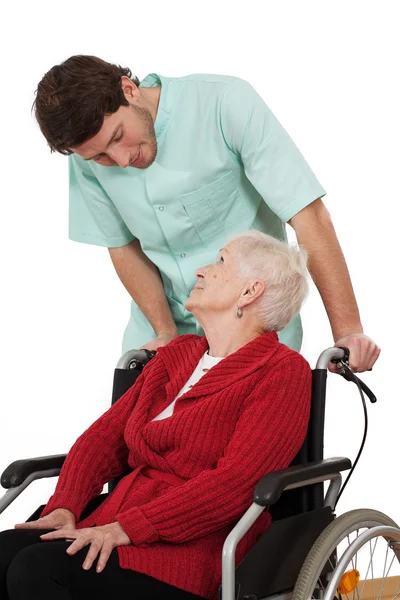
x: 337, y: 355
x: 331, y: 355
x: 135, y: 358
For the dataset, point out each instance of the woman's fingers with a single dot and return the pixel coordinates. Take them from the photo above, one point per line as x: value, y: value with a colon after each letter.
x: 106, y: 550
x: 95, y: 547
x: 33, y: 525
x: 100, y: 545
x: 59, y: 534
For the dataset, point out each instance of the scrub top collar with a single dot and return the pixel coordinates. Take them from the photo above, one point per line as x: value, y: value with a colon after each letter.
x: 162, y: 118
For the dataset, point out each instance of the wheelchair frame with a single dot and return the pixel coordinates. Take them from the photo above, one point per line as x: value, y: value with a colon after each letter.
x: 306, y: 478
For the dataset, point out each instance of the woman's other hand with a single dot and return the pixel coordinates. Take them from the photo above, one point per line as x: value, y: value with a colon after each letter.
x: 57, y: 519
x: 102, y: 540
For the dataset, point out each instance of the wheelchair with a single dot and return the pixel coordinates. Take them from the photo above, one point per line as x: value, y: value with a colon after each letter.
x: 307, y: 552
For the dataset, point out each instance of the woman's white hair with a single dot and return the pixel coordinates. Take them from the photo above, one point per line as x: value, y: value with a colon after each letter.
x: 282, y: 267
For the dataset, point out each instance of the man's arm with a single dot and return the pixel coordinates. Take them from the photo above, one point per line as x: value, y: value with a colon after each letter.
x: 143, y: 283
x: 327, y: 266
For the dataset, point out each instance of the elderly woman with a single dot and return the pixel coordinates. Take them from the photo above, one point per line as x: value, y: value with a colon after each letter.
x: 207, y: 418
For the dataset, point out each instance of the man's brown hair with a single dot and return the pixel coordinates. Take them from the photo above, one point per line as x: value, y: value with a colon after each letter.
x: 73, y: 98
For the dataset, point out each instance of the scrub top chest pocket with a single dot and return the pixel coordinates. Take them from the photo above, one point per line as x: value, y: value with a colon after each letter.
x: 215, y: 207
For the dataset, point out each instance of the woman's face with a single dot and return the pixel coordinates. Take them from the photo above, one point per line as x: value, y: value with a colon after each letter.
x: 218, y: 286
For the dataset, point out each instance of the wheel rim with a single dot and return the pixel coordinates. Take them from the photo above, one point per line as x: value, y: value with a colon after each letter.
x: 376, y: 554
x: 344, y: 541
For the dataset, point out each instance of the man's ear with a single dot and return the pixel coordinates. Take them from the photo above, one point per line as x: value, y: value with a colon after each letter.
x: 130, y: 90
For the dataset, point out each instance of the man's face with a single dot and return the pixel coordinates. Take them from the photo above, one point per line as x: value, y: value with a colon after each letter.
x: 126, y: 139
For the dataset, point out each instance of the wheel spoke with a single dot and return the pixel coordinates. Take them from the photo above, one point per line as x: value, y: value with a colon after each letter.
x: 397, y: 593
x: 370, y: 565
x: 352, y: 561
x: 357, y: 552
x: 385, y: 574
x: 372, y: 574
x: 356, y: 590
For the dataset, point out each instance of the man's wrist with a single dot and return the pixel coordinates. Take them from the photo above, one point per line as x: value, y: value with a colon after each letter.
x: 172, y: 331
x: 345, y: 332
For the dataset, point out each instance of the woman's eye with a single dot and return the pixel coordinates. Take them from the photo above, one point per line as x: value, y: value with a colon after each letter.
x: 221, y: 259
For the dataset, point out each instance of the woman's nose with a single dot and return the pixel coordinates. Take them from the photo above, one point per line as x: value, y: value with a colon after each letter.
x: 201, y: 272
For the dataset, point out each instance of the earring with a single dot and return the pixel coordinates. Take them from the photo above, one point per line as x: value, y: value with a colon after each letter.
x: 239, y: 312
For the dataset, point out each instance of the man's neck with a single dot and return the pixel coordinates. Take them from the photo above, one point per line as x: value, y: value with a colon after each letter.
x: 151, y: 98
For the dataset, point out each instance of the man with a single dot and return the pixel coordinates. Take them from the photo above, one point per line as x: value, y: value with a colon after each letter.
x: 164, y: 171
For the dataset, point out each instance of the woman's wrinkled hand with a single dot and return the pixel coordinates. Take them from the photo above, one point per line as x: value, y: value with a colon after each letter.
x: 57, y: 519
x: 101, y: 540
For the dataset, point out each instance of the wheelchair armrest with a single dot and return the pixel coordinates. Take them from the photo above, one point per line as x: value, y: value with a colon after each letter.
x: 269, y: 489
x: 18, y: 471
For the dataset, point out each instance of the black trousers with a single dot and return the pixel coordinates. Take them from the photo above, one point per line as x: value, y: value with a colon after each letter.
x: 33, y: 569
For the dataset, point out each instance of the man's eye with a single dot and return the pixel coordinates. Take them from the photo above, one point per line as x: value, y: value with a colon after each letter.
x: 221, y: 259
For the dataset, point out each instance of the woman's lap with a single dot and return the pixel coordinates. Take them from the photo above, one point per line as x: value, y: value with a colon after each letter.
x: 31, y: 568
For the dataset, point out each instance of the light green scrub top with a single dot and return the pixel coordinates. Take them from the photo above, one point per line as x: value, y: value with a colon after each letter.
x: 224, y: 165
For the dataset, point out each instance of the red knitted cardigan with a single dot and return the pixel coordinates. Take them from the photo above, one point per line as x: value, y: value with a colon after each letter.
x: 193, y: 474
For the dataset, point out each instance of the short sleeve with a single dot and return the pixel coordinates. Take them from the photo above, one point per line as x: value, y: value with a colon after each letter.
x: 93, y: 218
x: 271, y: 160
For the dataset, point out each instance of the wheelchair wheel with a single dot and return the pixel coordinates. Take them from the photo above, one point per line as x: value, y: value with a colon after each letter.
x: 357, y: 546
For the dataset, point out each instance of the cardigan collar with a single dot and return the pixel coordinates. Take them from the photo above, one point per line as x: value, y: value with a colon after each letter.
x: 181, y: 358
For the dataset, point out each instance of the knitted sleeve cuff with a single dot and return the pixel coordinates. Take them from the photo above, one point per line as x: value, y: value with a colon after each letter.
x: 139, y: 530
x: 69, y: 500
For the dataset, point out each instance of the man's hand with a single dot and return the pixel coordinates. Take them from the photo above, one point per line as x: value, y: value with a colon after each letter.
x: 363, y: 352
x: 163, y: 339
x: 58, y: 519
x: 102, y: 540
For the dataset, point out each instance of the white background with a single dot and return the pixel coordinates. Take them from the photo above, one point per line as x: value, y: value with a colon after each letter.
x: 329, y: 71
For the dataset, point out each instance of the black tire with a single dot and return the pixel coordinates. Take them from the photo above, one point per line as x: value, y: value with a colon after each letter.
x: 328, y: 541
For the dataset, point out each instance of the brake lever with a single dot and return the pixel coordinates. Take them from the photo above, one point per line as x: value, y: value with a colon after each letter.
x: 346, y: 372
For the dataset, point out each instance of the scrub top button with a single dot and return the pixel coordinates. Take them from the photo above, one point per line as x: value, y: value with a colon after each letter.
x: 182, y: 255
x: 160, y: 208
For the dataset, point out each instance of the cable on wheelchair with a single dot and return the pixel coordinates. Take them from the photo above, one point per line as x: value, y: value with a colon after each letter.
x: 346, y: 372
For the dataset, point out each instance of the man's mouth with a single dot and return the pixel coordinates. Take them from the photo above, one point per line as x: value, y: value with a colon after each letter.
x: 138, y: 157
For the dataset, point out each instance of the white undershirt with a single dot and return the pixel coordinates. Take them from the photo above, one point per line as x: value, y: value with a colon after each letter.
x: 205, y: 364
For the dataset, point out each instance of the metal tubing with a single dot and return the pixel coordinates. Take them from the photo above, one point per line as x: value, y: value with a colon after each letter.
x: 320, y: 479
x: 333, y: 491
x: 327, y: 355
x: 14, y: 492
x: 229, y: 549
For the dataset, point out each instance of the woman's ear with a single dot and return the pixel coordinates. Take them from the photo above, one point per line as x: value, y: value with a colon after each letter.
x: 251, y: 292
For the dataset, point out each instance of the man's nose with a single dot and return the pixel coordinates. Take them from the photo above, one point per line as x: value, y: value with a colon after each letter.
x: 121, y: 157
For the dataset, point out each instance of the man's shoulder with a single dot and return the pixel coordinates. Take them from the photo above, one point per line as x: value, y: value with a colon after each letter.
x: 197, y: 81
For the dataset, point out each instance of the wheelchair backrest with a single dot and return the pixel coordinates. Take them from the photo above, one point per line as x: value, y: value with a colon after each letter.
x: 311, y: 497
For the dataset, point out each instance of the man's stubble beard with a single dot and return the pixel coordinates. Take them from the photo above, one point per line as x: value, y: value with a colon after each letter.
x: 149, y: 132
